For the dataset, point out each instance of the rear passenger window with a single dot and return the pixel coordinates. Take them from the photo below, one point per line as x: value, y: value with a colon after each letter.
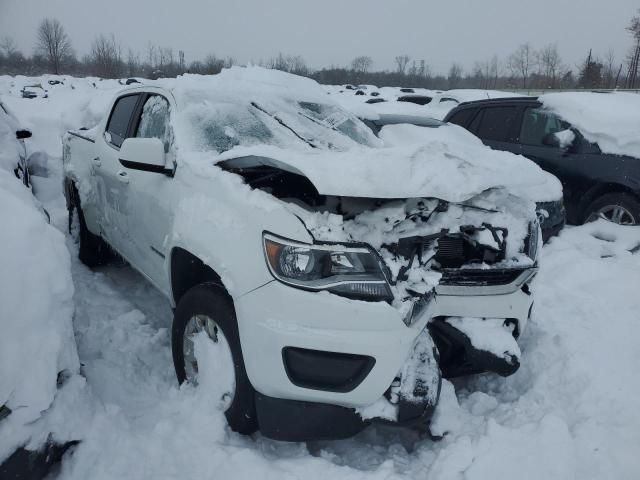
x: 118, y: 125
x: 462, y: 117
x: 496, y: 124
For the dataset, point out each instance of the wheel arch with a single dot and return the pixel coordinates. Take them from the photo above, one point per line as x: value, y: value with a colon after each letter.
x: 187, y: 270
x: 600, y: 189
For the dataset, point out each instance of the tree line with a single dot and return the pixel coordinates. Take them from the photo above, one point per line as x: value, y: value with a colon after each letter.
x: 525, y: 68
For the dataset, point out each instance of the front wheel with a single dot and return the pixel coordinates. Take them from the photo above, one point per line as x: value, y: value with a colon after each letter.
x: 620, y: 208
x: 205, y: 317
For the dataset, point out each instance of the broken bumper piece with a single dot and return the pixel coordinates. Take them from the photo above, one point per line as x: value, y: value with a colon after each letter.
x: 465, y: 348
x: 410, y: 401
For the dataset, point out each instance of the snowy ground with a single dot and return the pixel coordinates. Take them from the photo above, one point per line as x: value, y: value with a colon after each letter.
x: 569, y: 412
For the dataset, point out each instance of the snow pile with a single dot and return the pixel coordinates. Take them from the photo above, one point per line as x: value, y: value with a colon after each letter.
x: 36, y: 298
x: 612, y: 120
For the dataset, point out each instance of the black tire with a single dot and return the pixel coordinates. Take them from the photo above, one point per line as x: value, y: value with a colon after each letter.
x: 93, y: 251
x: 627, y: 201
x: 212, y: 300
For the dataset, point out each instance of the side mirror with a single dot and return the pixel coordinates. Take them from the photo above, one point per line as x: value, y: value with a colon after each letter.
x: 22, y: 134
x: 145, y: 154
x: 564, y: 140
x: 550, y: 140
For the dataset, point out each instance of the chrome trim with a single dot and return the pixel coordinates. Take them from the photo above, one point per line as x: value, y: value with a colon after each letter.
x: 466, y: 290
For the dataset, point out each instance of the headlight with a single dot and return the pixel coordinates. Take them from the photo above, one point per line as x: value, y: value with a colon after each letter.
x: 533, y: 241
x: 353, y: 272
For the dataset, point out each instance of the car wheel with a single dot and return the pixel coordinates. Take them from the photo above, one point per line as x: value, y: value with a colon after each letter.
x: 620, y: 208
x: 208, y: 310
x: 92, y: 250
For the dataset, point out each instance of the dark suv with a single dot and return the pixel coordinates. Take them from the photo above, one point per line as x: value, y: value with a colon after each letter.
x: 595, y: 184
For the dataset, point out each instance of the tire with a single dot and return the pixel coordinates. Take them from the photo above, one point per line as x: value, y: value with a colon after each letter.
x: 617, y: 207
x: 212, y: 301
x: 92, y: 251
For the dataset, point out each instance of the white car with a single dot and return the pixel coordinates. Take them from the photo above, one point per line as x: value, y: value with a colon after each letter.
x: 13, y: 154
x: 318, y: 262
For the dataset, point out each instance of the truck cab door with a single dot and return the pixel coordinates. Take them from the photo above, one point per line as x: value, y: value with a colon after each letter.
x: 110, y: 184
x: 149, y: 201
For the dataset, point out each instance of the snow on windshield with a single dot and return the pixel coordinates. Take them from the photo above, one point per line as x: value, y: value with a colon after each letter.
x: 254, y: 106
x: 612, y: 120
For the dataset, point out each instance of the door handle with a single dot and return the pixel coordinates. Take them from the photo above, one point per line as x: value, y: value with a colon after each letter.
x: 97, y: 162
x: 123, y: 176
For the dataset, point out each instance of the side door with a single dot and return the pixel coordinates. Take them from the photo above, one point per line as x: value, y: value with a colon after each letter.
x: 149, y: 194
x: 496, y: 126
x: 110, y: 185
x: 536, y: 143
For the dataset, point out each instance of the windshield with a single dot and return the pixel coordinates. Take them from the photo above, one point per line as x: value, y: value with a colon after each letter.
x: 280, y: 122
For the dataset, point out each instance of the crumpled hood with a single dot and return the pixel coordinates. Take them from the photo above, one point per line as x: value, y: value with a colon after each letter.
x: 453, y: 171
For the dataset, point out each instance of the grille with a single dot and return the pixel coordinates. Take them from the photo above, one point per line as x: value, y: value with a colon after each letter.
x: 483, y: 277
x: 450, y: 251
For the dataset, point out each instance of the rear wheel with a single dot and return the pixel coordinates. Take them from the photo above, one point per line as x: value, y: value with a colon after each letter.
x: 620, y: 208
x: 206, y: 313
x: 92, y: 250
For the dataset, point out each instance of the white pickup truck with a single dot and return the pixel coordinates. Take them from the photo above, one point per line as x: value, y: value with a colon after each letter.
x: 331, y: 276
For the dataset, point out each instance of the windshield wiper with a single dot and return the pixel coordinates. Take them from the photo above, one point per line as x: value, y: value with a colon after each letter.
x: 281, y: 122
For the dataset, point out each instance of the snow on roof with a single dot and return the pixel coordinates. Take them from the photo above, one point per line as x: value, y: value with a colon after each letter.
x: 243, y: 84
x: 241, y: 112
x: 612, y: 120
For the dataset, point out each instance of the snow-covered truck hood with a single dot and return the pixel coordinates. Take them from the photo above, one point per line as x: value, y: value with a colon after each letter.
x: 448, y: 170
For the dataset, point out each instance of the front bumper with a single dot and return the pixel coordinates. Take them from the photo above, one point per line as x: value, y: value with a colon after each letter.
x: 275, y: 317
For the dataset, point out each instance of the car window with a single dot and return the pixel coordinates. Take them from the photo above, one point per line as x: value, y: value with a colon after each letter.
x: 462, y: 117
x: 537, y: 124
x: 495, y: 123
x: 154, y: 120
x: 118, y: 125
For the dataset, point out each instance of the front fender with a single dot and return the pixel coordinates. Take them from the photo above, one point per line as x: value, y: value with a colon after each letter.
x: 225, y: 233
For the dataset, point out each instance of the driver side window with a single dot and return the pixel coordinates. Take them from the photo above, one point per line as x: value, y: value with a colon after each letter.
x: 538, y: 124
x: 154, y: 120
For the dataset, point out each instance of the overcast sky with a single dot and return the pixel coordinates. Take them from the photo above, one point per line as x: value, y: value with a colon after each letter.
x: 332, y: 32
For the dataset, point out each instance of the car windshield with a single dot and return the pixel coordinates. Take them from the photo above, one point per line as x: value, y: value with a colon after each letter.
x: 223, y: 126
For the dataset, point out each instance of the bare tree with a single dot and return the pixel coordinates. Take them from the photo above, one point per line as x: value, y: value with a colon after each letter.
x: 361, y: 64
x: 53, y: 43
x: 8, y: 45
x: 633, y: 59
x: 106, y: 56
x: 455, y: 76
x: 522, y: 61
x: 401, y: 62
x: 550, y: 62
x: 133, y: 63
x: 610, y: 68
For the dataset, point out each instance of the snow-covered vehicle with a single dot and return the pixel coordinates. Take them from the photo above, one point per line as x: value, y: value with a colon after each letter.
x: 317, y: 266
x: 13, y: 151
x: 588, y: 140
x: 33, y: 91
x: 38, y: 359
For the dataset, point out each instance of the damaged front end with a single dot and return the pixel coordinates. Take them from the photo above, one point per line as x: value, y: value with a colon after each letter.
x: 460, y: 269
